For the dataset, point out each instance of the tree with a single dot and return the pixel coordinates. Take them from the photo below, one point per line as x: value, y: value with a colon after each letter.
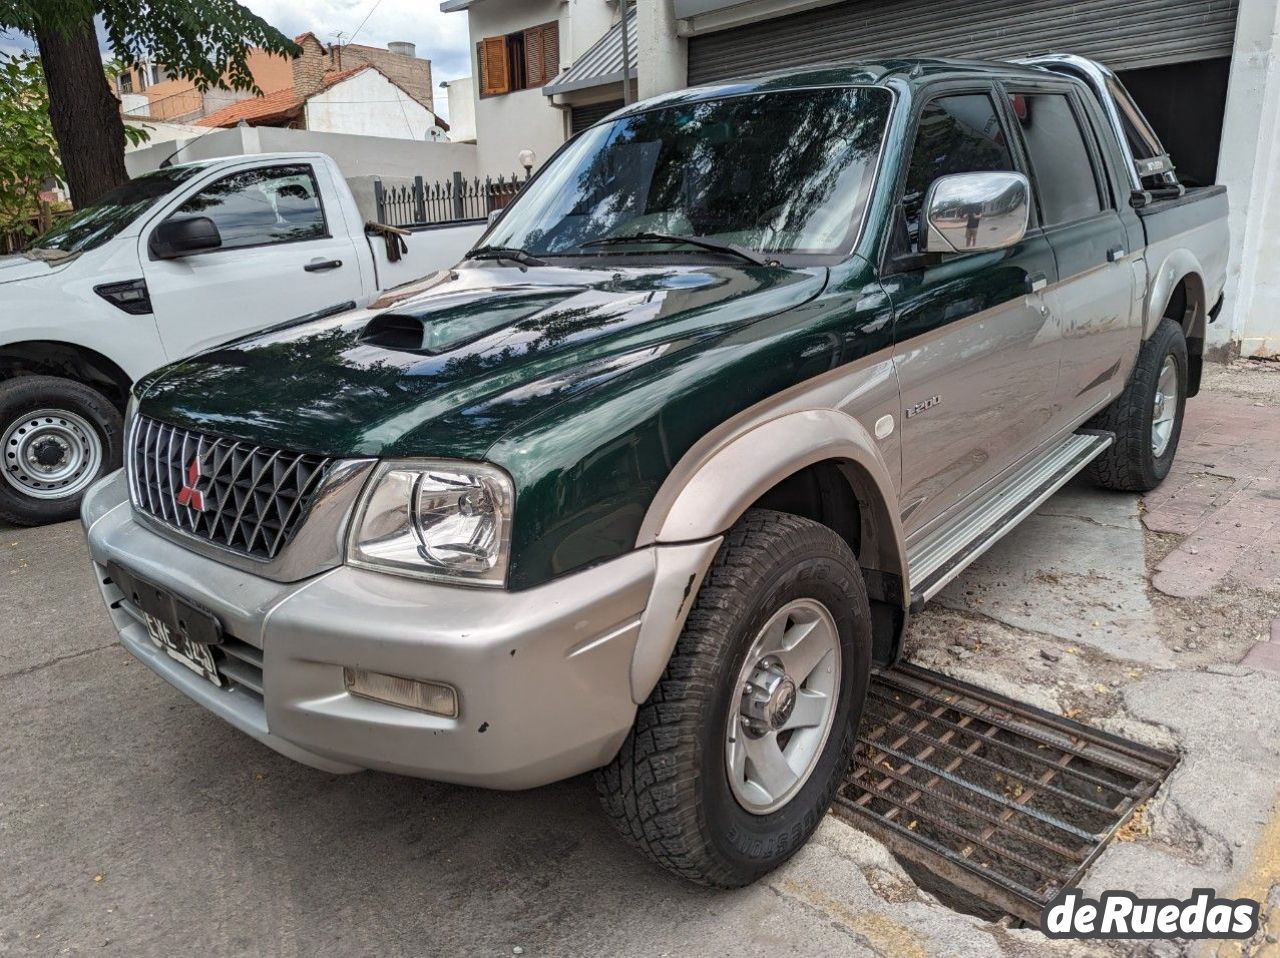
x: 28, y: 152
x: 207, y: 41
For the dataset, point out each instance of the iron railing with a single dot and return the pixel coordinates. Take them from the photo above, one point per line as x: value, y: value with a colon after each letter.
x: 444, y: 201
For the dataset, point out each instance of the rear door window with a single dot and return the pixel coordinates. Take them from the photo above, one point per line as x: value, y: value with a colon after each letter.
x: 1066, y: 181
x: 960, y: 133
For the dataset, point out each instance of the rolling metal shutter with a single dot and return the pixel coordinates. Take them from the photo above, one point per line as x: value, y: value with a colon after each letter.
x: 1124, y: 34
x: 581, y: 117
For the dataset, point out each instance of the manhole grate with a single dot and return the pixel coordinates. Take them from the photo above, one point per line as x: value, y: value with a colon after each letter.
x: 1004, y: 800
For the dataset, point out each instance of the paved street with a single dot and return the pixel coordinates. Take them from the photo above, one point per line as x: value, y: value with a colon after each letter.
x: 132, y: 821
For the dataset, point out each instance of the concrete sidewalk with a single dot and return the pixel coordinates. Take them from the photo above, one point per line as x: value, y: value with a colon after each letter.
x: 134, y: 823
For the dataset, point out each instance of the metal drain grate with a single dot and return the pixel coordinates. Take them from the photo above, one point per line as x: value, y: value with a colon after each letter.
x: 1008, y: 802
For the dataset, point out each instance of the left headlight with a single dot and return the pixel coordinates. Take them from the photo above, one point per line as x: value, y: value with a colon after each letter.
x: 449, y: 521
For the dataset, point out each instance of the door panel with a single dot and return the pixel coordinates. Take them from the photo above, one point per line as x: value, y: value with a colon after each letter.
x: 277, y: 260
x: 1093, y: 304
x: 977, y: 359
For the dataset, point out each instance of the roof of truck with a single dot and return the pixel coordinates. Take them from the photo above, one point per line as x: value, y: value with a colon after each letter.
x: 914, y: 70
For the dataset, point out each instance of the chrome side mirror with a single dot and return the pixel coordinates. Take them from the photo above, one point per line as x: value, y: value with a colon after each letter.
x: 973, y: 212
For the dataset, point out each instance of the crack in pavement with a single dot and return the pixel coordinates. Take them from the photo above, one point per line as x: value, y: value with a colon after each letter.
x: 18, y: 673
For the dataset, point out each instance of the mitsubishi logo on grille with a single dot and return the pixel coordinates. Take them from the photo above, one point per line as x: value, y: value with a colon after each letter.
x: 189, y: 495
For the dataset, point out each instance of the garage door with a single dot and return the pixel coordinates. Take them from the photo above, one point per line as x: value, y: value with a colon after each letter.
x: 581, y: 117
x: 1124, y: 34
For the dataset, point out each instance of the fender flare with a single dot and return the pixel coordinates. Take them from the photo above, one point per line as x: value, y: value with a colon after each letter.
x: 711, y: 488
x: 1181, y: 264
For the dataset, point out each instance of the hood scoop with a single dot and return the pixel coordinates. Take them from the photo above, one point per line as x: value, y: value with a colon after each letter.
x: 453, y: 321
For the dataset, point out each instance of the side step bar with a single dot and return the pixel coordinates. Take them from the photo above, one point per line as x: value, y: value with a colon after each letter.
x: 944, y: 553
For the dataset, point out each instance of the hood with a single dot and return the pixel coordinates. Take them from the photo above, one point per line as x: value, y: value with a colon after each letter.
x: 13, y: 268
x: 452, y: 365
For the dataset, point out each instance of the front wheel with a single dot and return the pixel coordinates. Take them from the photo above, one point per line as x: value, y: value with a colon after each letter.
x: 737, y: 754
x: 1147, y: 416
x: 57, y: 436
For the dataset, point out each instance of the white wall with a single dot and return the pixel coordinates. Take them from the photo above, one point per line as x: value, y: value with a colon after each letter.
x: 662, y: 57
x: 511, y: 122
x: 462, y: 109
x: 526, y: 119
x: 368, y: 104
x: 161, y: 132
x: 355, y: 155
x: 360, y: 158
x: 1249, y: 164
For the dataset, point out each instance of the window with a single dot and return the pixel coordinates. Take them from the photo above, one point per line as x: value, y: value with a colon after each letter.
x: 124, y: 82
x: 1065, y: 180
x: 519, y: 61
x: 956, y: 134
x: 275, y: 204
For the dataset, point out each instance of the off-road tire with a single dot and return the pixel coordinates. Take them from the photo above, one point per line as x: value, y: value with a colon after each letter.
x: 668, y: 791
x: 25, y: 394
x: 1129, y: 464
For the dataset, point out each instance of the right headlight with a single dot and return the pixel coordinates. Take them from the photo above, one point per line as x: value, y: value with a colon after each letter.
x: 435, y: 519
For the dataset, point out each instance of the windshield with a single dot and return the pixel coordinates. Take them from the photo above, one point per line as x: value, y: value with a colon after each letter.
x: 94, y: 225
x: 785, y: 172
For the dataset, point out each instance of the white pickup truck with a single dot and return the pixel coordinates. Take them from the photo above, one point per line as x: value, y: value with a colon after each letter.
x: 167, y: 265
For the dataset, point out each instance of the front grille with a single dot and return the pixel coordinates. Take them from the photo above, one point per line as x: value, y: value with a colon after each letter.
x: 248, y: 498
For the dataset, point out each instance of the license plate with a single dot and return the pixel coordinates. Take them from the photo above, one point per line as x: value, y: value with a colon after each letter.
x: 177, y: 646
x: 185, y: 632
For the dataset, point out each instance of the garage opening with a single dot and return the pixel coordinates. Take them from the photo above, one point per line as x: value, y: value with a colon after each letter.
x: 1186, y: 103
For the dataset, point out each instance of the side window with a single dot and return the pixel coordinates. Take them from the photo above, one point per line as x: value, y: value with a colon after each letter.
x: 1064, y: 174
x: 275, y: 204
x: 956, y: 134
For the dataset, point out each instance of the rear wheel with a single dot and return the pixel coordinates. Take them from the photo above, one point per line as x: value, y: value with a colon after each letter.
x: 1147, y: 416
x: 737, y: 754
x: 57, y: 437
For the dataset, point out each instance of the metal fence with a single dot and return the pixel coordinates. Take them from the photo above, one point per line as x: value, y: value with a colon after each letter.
x: 444, y: 201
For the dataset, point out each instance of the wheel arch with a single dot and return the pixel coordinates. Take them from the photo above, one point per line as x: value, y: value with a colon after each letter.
x: 704, y: 497
x: 67, y: 361
x: 1178, y: 279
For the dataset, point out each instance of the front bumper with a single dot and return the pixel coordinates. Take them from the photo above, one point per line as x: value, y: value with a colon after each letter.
x: 543, y: 676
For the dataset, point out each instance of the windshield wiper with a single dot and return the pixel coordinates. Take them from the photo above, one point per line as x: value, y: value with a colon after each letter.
x: 705, y: 242
x: 513, y: 253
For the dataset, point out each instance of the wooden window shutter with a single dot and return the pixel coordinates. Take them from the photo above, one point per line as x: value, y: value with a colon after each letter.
x: 542, y: 54
x: 551, y: 50
x: 492, y: 56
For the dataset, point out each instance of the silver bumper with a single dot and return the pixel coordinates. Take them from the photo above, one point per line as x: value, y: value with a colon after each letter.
x: 544, y: 676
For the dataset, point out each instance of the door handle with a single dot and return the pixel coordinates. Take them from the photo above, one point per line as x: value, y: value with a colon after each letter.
x: 1036, y: 282
x: 1116, y: 254
x: 321, y: 265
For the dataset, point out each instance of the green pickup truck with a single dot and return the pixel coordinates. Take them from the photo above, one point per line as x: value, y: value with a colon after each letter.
x: 651, y: 481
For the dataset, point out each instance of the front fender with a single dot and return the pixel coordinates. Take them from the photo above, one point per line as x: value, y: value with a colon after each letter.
x: 710, y: 490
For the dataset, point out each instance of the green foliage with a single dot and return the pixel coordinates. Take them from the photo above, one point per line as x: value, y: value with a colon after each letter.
x: 28, y: 151
x: 205, y: 40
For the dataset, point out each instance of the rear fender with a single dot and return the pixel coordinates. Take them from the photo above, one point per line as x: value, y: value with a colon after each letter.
x: 1179, y: 265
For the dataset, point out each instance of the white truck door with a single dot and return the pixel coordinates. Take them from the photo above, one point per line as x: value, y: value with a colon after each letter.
x: 285, y: 252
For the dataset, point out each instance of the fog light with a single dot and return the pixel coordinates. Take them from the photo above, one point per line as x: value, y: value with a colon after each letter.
x: 433, y: 697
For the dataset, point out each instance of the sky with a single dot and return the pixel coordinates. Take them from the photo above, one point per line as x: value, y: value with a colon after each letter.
x: 440, y: 37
